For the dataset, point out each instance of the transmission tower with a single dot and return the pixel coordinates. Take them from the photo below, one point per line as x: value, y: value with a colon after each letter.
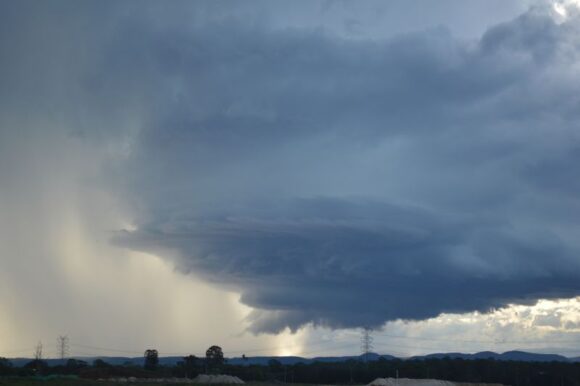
x: 62, y: 346
x: 38, y: 351
x: 366, y: 342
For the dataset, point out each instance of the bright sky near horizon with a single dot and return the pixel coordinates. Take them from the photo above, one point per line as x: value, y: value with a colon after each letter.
x: 272, y: 176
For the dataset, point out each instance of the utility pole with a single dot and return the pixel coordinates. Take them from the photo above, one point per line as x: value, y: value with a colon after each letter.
x: 366, y: 342
x: 62, y: 345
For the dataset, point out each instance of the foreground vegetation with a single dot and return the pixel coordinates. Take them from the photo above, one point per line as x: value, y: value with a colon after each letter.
x: 350, y: 372
x: 87, y: 382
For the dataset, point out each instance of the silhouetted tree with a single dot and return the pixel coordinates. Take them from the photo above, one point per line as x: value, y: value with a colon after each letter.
x: 99, y: 363
x: 190, y: 364
x: 214, y: 358
x: 274, y: 365
x: 74, y: 364
x: 5, y: 366
x: 151, y: 359
x: 38, y: 366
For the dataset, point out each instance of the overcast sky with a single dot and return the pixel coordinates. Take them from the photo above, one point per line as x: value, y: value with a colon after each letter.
x: 273, y: 176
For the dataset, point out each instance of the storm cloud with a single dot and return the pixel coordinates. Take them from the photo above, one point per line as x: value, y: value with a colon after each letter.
x: 345, y: 182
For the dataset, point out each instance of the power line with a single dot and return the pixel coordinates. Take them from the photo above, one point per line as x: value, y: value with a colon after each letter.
x: 82, y: 354
x: 16, y: 351
x: 129, y: 352
x: 279, y: 348
x: 331, y: 348
x: 266, y: 349
x: 108, y: 349
x: 367, y: 344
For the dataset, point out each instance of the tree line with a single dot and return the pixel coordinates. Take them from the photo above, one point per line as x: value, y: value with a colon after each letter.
x: 514, y: 373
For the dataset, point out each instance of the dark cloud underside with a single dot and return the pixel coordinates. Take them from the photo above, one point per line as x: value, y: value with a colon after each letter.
x: 344, y: 182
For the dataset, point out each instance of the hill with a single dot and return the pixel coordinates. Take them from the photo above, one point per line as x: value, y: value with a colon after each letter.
x: 506, y: 356
x: 291, y: 360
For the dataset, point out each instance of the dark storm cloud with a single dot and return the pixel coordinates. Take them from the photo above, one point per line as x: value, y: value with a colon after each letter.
x: 349, y: 183
x: 345, y: 182
x: 347, y: 263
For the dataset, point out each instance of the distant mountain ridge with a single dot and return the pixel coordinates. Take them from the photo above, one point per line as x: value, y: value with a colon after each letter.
x: 291, y: 360
x: 506, y: 356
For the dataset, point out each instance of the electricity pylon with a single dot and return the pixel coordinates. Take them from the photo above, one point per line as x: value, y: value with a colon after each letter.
x: 366, y: 342
x: 62, y: 346
x: 38, y: 352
